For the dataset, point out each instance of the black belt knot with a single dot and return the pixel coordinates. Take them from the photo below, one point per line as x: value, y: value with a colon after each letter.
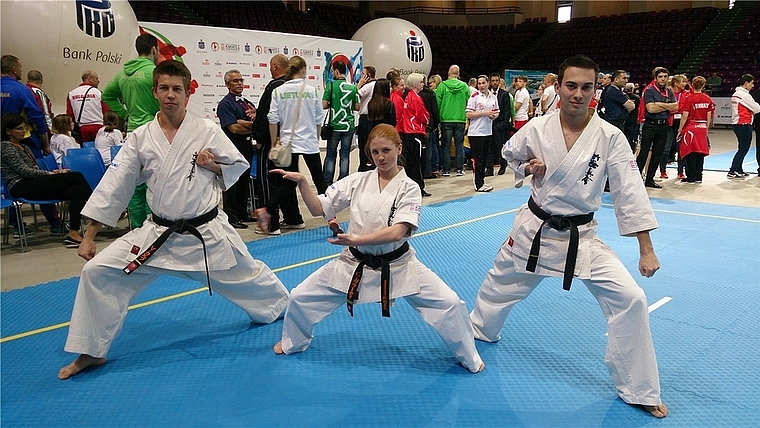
x: 179, y: 226
x: 559, y: 223
x: 382, y: 262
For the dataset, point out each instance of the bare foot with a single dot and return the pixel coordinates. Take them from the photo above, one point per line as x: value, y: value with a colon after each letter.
x: 481, y: 368
x: 278, y: 348
x: 657, y: 411
x: 82, y: 362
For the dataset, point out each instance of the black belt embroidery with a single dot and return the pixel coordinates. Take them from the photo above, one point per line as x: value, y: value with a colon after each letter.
x: 180, y: 226
x: 383, y: 262
x: 558, y: 223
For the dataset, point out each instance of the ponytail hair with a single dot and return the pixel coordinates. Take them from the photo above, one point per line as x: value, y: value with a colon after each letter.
x: 111, y: 121
x: 295, y: 65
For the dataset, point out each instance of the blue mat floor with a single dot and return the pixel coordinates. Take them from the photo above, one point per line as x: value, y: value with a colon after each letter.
x: 722, y: 161
x: 194, y: 360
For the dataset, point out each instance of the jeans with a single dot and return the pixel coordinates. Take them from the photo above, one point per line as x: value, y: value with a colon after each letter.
x: 344, y: 138
x: 632, y: 134
x: 744, y: 137
x: 449, y: 129
x: 433, y: 147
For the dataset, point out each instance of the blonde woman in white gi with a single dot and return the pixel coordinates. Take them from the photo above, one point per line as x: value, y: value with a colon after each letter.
x: 570, y: 156
x: 186, y: 163
x: 385, y: 208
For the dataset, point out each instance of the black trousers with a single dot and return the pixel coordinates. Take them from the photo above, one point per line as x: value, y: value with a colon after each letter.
x: 236, y: 196
x: 499, y: 136
x: 694, y: 166
x: 478, y: 148
x: 70, y: 186
x: 283, y: 192
x: 653, y: 136
x: 362, y: 132
x: 412, y: 152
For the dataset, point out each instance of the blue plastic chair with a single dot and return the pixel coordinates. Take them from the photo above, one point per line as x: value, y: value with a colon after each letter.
x: 90, y: 165
x: 114, y: 151
x: 5, y: 203
x: 88, y: 144
x: 83, y: 151
x: 47, y: 163
x: 17, y: 203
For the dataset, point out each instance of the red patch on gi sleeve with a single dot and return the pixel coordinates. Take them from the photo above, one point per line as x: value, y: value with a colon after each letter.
x: 510, y: 241
x: 135, y: 250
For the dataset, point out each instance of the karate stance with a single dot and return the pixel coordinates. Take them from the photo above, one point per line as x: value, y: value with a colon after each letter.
x: 571, y: 155
x: 376, y: 264
x: 185, y: 162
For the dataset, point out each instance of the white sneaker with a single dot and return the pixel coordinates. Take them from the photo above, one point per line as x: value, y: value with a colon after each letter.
x: 260, y: 231
x: 484, y: 188
x: 284, y: 225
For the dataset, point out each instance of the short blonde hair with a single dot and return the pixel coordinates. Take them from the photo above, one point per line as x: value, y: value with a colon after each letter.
x: 414, y: 79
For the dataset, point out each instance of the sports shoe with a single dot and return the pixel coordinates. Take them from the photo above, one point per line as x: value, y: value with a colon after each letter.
x: 445, y: 174
x: 27, y: 231
x: 681, y: 176
x: 664, y: 175
x: 272, y: 232
x: 59, y: 230
x: 484, y: 188
x: 284, y: 225
x: 743, y: 174
x: 71, y: 242
x: 460, y: 172
x: 263, y: 218
x: 733, y: 174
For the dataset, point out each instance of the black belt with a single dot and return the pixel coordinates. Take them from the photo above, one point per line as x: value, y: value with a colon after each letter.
x: 382, y: 261
x: 656, y: 121
x: 180, y: 226
x: 559, y: 223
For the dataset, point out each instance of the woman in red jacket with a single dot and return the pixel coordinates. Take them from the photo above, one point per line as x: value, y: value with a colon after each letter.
x: 696, y: 118
x: 414, y: 121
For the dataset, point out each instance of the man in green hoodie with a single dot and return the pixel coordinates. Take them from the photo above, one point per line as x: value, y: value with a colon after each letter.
x: 130, y: 95
x: 452, y: 95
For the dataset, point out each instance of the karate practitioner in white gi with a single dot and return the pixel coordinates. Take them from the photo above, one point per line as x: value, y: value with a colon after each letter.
x: 385, y: 208
x: 571, y: 155
x: 186, y: 162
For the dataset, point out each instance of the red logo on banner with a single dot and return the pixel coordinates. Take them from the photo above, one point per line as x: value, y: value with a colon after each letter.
x: 317, y: 67
x: 263, y: 65
x: 256, y: 75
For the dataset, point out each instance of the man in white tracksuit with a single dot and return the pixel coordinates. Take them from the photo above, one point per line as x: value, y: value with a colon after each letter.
x: 185, y: 162
x: 571, y: 155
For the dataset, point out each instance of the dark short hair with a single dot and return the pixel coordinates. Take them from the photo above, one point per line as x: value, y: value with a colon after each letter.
x: 617, y: 73
x: 339, y: 66
x: 370, y: 70
x: 172, y: 68
x: 578, y: 61
x: 658, y: 70
x: 34, y: 76
x: 494, y: 74
x: 746, y: 78
x: 144, y: 43
x: 10, y: 121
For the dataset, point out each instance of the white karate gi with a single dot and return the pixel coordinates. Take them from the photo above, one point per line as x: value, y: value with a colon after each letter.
x: 177, y: 189
x: 573, y: 185
x: 325, y: 290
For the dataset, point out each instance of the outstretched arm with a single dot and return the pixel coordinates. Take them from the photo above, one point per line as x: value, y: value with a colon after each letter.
x: 310, y: 198
x: 87, y: 248
x: 648, y: 263
x: 385, y: 235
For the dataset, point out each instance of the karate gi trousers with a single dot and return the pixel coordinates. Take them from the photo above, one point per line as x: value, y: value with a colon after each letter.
x: 105, y: 291
x: 630, y: 356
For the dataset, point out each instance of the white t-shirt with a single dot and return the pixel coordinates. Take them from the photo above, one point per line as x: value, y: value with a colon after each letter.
x: 104, y: 140
x: 365, y: 94
x: 481, y: 126
x: 522, y: 96
x: 551, y: 99
x: 60, y: 144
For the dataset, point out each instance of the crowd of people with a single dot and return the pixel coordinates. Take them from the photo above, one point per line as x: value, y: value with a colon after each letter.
x: 613, y: 135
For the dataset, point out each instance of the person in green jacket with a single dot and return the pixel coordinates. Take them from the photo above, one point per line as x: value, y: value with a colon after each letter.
x: 452, y: 95
x: 130, y: 95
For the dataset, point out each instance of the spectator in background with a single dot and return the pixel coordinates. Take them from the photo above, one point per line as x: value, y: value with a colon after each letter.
x: 415, y: 119
x: 472, y: 83
x: 17, y: 98
x: 130, y: 95
x: 616, y: 103
x: 26, y: 180
x: 756, y: 97
x: 300, y: 129
x: 381, y: 108
x: 550, y: 98
x: 34, y: 82
x: 523, y: 104
x: 696, y: 118
x: 84, y: 104
x: 430, y: 143
x: 658, y: 100
x: 366, y: 87
x: 108, y: 136
x: 743, y: 109
x: 714, y: 82
x: 452, y: 95
x: 678, y: 85
x: 434, y: 139
x: 61, y: 141
x: 501, y: 127
x: 482, y: 109
x: 632, y: 123
x: 340, y: 99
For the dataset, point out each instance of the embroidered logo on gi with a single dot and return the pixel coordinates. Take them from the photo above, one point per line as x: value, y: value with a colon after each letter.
x: 592, y: 165
x: 114, y: 165
x: 634, y: 165
x: 414, y: 208
x: 192, y: 167
x: 511, y: 242
x: 135, y: 250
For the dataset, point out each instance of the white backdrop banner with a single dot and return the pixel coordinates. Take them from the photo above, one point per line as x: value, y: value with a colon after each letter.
x: 209, y: 52
x: 722, y: 110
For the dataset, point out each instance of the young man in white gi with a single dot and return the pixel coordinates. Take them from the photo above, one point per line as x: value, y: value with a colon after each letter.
x: 185, y: 162
x: 571, y: 155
